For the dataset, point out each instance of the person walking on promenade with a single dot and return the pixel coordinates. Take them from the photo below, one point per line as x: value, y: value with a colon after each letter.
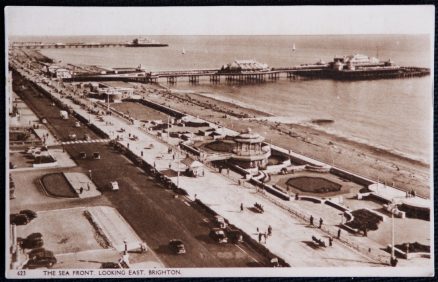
x: 257, y: 230
x: 311, y: 220
x: 260, y: 237
x: 241, y: 207
x: 269, y: 230
x: 81, y: 190
x: 264, y: 236
x: 339, y: 233
x: 330, y: 241
x: 320, y: 223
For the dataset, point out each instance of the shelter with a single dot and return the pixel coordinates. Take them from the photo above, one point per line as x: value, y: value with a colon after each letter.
x: 194, y: 168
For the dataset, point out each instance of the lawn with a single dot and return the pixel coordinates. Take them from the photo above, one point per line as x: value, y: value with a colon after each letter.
x: 64, y: 231
x: 139, y: 111
x: 316, y: 185
x: 57, y: 185
x: 220, y: 146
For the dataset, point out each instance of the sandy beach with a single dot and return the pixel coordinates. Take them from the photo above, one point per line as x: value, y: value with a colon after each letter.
x: 375, y: 163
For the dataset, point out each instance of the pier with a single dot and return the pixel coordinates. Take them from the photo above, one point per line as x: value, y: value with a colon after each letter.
x: 41, y: 45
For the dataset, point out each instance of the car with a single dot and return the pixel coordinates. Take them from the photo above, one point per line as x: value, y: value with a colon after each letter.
x: 39, y: 253
x: 234, y: 236
x: 111, y: 265
x: 29, y: 213
x: 177, y: 246
x: 220, y: 221
x: 218, y: 235
x: 19, y: 219
x: 40, y: 262
x: 114, y: 185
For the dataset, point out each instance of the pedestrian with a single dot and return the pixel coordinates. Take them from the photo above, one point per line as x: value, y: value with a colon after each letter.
x: 257, y: 230
x: 155, y: 165
x: 88, y: 186
x: 81, y: 190
x: 330, y: 241
x: 141, y: 153
x: 311, y: 220
x: 414, y: 193
x: 264, y: 236
x: 260, y: 237
x: 297, y: 196
x: 170, y: 165
x: 128, y: 145
x: 320, y: 223
x: 339, y: 233
x: 241, y: 207
x: 269, y: 230
x: 173, y: 156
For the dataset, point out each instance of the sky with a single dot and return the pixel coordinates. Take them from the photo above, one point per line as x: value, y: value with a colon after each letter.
x: 270, y: 20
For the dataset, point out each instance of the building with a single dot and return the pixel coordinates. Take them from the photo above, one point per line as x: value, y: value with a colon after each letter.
x: 9, y: 93
x: 114, y: 91
x: 249, y: 151
x: 63, y: 73
x: 352, y: 62
x: 245, y: 66
x: 194, y: 168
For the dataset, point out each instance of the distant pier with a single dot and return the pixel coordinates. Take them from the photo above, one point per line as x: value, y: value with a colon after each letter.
x: 41, y: 45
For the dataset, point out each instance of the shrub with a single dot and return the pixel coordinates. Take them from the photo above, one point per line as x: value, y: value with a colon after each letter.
x: 29, y: 213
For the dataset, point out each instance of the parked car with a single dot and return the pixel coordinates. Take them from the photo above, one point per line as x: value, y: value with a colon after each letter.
x: 40, y: 262
x: 220, y: 221
x: 218, y: 235
x: 177, y: 246
x: 110, y: 265
x: 29, y: 213
x: 19, y: 219
x: 39, y: 253
x: 234, y: 236
x: 114, y: 185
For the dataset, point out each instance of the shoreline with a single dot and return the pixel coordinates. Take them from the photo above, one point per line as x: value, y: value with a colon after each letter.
x: 270, y: 117
x: 364, y: 159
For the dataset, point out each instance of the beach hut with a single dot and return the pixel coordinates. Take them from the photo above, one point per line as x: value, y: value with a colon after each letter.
x: 194, y: 168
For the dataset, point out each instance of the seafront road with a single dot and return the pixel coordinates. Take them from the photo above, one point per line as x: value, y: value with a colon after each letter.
x: 151, y: 210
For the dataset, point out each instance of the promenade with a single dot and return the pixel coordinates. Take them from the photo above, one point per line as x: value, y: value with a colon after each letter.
x: 290, y: 236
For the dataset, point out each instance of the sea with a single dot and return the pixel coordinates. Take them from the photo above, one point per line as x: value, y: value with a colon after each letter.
x: 391, y: 114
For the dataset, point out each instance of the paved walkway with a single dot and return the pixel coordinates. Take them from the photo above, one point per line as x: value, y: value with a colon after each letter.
x: 80, y: 181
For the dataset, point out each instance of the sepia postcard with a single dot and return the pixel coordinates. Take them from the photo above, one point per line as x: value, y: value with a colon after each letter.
x: 274, y: 141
